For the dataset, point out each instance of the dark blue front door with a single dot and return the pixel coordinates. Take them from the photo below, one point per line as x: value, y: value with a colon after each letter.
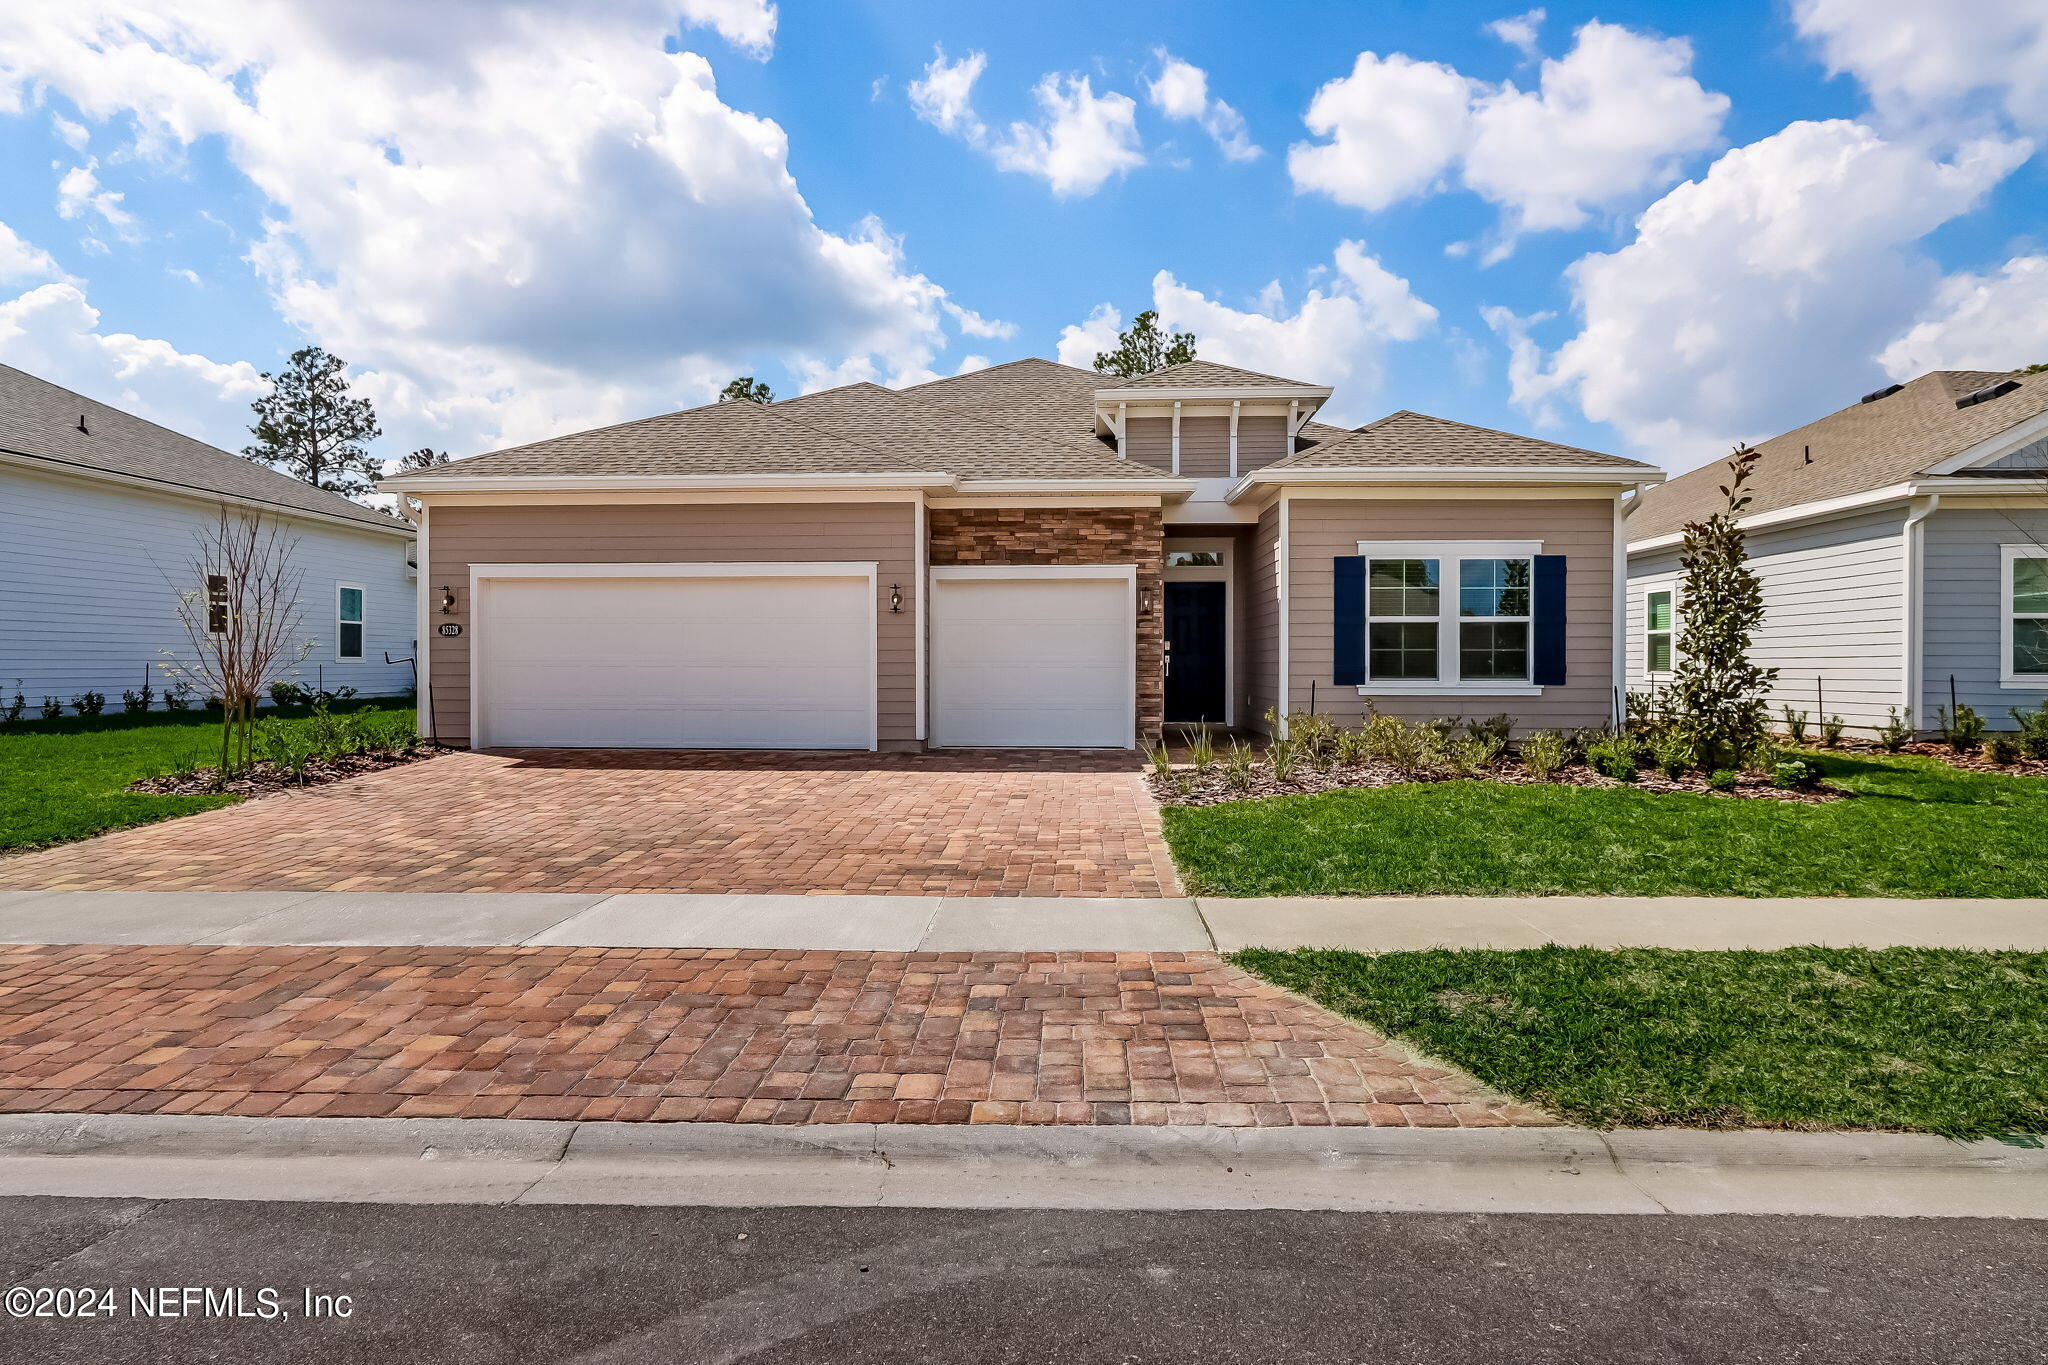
x: 1195, y: 642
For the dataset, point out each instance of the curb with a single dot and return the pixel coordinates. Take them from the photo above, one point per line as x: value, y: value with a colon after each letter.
x: 1384, y: 1170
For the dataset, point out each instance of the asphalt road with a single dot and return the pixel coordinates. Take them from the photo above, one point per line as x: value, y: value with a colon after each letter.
x: 487, y: 1284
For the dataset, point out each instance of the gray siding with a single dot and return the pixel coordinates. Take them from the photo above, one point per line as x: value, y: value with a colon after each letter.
x: 675, y: 533
x: 1260, y: 681
x: 94, y: 571
x: 1205, y: 444
x: 1834, y: 614
x: 1964, y: 603
x: 1582, y: 530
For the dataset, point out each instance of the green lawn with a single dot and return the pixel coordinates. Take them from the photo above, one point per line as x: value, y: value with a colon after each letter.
x: 1932, y: 1039
x: 1918, y: 828
x: 62, y: 779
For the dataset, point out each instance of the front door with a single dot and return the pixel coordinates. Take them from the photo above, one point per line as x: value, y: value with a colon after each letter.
x: 1195, y: 643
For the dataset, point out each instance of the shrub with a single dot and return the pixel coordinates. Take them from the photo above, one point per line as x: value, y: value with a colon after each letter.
x: 51, y: 708
x: 1383, y: 737
x: 287, y: 745
x: 1831, y: 728
x: 2002, y: 748
x: 1418, y: 751
x: 1613, y: 754
x: 1544, y: 753
x: 133, y: 701
x: 1795, y: 774
x: 2033, y: 729
x: 178, y: 698
x: 1350, y: 747
x: 1795, y: 725
x: 16, y: 708
x: 1240, y: 766
x: 89, y: 703
x: 1717, y: 695
x: 1469, y: 754
x: 1282, y: 756
x: 1314, y: 738
x: 1160, y: 759
x: 1201, y: 748
x: 286, y: 693
x: 1639, y: 709
x: 1962, y: 729
x: 1492, y: 727
x: 1672, y: 752
x: 1723, y: 779
x: 1896, y: 732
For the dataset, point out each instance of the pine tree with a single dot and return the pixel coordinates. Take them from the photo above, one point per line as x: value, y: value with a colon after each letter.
x: 746, y: 389
x: 310, y: 427
x: 1143, y: 348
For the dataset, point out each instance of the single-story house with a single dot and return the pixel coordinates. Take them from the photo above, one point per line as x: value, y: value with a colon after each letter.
x: 1902, y: 543
x: 1027, y: 555
x: 100, y: 512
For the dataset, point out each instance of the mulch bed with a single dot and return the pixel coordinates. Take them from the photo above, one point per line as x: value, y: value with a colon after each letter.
x: 1927, y: 748
x: 267, y: 779
x: 1187, y: 788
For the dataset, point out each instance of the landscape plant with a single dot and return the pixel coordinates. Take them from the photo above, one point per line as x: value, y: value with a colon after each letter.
x: 1544, y: 753
x: 1795, y: 725
x: 16, y: 707
x: 1723, y: 779
x: 1671, y: 751
x: 51, y: 708
x: 1831, y: 728
x: 136, y: 700
x: 1794, y: 774
x: 1613, y: 754
x: 2002, y: 748
x: 1896, y: 732
x: 1717, y: 695
x: 1961, y: 729
x: 2032, y: 726
x: 1240, y: 766
x: 89, y: 703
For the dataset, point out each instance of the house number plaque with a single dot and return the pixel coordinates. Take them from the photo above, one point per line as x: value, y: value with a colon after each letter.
x: 451, y: 628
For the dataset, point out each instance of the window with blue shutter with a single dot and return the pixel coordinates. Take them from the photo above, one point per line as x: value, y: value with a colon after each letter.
x: 1347, y: 663
x: 1548, y: 647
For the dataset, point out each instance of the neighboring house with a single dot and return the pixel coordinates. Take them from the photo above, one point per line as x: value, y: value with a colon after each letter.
x: 1903, y: 547
x: 99, y: 517
x: 1010, y: 558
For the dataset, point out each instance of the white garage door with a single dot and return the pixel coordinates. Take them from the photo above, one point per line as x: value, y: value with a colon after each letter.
x: 1032, y: 662
x: 676, y: 663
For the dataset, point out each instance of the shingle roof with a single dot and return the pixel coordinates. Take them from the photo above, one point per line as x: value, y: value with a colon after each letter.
x: 1039, y: 396
x: 1203, y: 374
x: 1409, y: 439
x: 40, y: 420
x: 982, y: 449
x: 1862, y: 447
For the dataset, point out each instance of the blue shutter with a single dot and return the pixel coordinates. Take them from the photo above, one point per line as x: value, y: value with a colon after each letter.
x: 1546, y: 662
x: 1347, y: 653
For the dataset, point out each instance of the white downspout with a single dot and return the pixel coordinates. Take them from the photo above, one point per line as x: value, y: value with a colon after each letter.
x: 1915, y: 688
x: 1176, y: 436
x: 423, y: 648
x: 1619, y: 687
x: 1122, y: 412
x: 1285, y: 549
x: 1235, y: 404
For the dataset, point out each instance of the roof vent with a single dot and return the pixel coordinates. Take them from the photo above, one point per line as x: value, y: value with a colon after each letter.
x: 1882, y: 393
x: 1989, y: 392
x: 81, y: 424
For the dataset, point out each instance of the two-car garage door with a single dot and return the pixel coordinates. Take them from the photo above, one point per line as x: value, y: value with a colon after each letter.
x: 782, y: 660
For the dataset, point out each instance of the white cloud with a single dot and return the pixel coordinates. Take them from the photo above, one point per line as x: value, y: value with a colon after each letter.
x: 74, y: 135
x: 1922, y: 61
x: 944, y: 97
x: 21, y: 260
x: 1181, y: 91
x: 1614, y: 117
x: 973, y: 324
x: 747, y: 24
x: 190, y: 277
x: 1755, y: 297
x: 1394, y: 127
x: 1337, y: 336
x: 1978, y: 322
x: 512, y: 219
x: 52, y: 332
x: 1519, y: 32
x: 1080, y: 140
x: 79, y: 194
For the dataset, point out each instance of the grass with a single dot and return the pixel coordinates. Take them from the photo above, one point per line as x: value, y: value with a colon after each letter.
x: 1927, y: 1039
x: 1917, y: 828
x: 63, y: 779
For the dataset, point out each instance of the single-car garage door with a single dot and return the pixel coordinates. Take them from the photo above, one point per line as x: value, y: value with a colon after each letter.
x: 704, y: 660
x: 1031, y: 661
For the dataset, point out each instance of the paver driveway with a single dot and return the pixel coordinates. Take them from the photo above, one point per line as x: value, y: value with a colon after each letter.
x: 1044, y: 824
x: 755, y: 1036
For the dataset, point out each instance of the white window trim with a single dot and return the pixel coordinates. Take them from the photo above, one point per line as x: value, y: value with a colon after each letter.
x: 1660, y: 674
x: 2009, y: 558
x: 1450, y: 552
x: 362, y: 622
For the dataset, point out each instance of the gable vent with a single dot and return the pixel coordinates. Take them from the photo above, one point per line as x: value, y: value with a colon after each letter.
x: 1986, y: 394
x: 1882, y: 393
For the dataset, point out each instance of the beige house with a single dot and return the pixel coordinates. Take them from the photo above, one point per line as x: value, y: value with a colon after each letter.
x: 1026, y: 556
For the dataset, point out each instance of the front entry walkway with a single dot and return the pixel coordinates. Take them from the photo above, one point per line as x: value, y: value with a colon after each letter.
x: 750, y: 1036
x: 1051, y: 823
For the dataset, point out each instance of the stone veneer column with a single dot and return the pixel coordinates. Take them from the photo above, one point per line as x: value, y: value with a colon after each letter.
x: 1073, y: 535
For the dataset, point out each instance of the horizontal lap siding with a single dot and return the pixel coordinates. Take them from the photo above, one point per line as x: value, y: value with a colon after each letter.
x: 1205, y: 444
x: 94, y: 571
x: 1582, y: 530
x: 1262, y: 620
x: 1260, y: 441
x: 674, y: 533
x: 1965, y: 590
x: 1205, y: 447
x: 1149, y: 440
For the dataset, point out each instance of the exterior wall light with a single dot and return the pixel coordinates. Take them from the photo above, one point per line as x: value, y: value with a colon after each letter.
x: 895, y: 597
x: 447, y: 600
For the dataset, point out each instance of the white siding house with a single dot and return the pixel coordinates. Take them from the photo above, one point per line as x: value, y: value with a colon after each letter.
x: 95, y: 555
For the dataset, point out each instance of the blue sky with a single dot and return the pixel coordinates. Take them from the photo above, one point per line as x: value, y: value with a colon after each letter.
x: 1651, y: 228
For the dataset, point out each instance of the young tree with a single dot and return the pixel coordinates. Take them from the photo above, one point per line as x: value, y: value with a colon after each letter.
x: 310, y: 427
x: 424, y: 458
x: 239, y: 621
x: 1717, y: 695
x: 746, y: 389
x: 1142, y: 348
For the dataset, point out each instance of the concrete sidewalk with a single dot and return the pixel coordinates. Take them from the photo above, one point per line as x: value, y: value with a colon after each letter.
x: 1005, y: 923
x: 1556, y: 1170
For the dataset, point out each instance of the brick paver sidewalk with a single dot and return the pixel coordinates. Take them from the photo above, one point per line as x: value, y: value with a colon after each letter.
x: 750, y: 1036
x: 1072, y: 823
